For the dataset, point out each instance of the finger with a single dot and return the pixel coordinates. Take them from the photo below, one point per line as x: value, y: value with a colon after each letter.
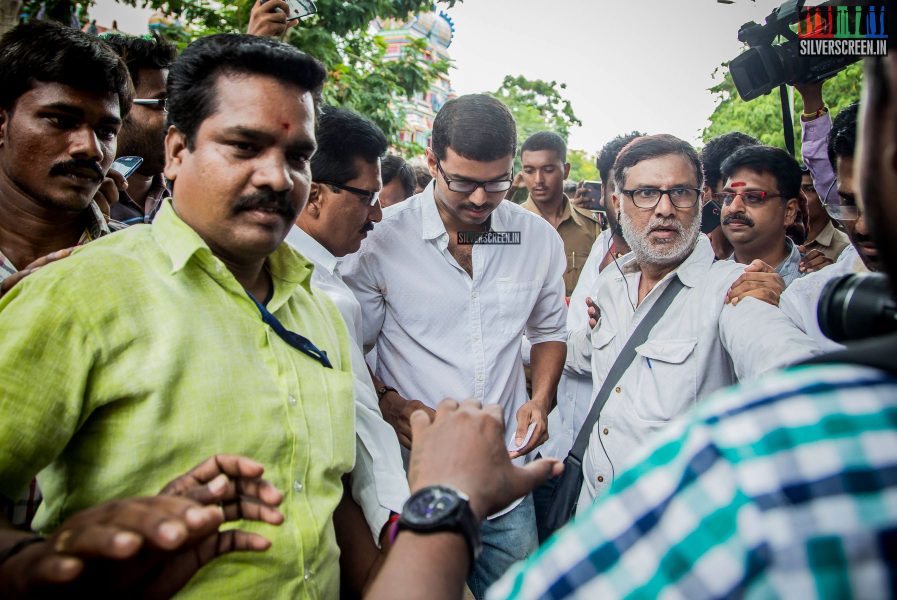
x: 494, y: 411
x: 241, y: 498
x: 52, y: 257
x: 163, y: 521
x: 525, y: 479
x: 446, y: 406
x: 98, y: 541
x: 8, y: 283
x: 205, y: 472
x: 758, y: 266
x: 53, y: 569
x: 117, y: 179
x: 524, y: 417
x: 536, y: 440
x: 419, y: 422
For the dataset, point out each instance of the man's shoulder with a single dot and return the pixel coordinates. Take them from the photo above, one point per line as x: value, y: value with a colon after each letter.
x: 109, y: 256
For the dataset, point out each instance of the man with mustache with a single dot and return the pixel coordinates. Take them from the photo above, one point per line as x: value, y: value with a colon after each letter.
x: 342, y: 207
x: 759, y: 201
x: 700, y: 344
x: 446, y: 303
x: 230, y: 349
x: 63, y: 96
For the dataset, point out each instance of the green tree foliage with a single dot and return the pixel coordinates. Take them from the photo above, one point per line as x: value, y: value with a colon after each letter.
x: 537, y: 106
x: 361, y: 79
x: 762, y: 117
x: 582, y: 166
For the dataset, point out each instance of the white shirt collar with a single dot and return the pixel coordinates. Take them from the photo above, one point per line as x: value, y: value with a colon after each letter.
x: 312, y: 249
x: 692, y: 269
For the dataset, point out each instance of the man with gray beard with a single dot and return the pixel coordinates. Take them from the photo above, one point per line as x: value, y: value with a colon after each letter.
x: 699, y: 344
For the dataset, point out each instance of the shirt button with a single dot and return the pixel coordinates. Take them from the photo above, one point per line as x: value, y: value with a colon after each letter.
x: 474, y: 295
x: 479, y: 378
x: 606, y: 431
x: 292, y: 400
x: 308, y: 573
x: 600, y: 478
x: 619, y: 389
x: 297, y: 485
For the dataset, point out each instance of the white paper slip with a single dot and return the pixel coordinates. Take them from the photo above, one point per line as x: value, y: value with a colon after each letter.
x: 529, y: 434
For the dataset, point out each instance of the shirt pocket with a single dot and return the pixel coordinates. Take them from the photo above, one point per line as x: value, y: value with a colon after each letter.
x: 667, y: 374
x: 516, y: 300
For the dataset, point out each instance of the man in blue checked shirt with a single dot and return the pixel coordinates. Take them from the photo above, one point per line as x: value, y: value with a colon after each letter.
x: 784, y: 487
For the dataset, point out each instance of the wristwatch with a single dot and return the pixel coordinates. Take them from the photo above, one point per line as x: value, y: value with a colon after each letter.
x: 442, y: 508
x: 381, y: 391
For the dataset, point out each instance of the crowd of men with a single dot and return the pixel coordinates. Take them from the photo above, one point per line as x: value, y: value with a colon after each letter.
x: 274, y: 360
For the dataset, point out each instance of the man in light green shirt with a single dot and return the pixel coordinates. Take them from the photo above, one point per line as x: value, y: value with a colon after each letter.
x: 139, y: 356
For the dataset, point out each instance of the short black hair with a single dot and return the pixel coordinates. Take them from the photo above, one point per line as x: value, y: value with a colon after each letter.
x: 767, y: 159
x: 139, y: 53
x: 653, y: 146
x: 393, y: 167
x: 546, y: 140
x: 718, y: 150
x: 343, y: 136
x: 842, y: 139
x: 422, y: 175
x: 477, y: 127
x: 46, y: 51
x: 608, y: 154
x: 193, y: 76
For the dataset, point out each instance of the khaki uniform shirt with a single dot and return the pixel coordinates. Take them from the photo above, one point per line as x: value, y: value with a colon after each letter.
x: 578, y: 234
x: 830, y: 241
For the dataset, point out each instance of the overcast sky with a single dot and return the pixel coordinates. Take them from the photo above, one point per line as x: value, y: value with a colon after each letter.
x: 628, y: 64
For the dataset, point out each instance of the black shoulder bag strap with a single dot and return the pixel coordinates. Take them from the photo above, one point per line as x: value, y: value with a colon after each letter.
x: 566, y: 493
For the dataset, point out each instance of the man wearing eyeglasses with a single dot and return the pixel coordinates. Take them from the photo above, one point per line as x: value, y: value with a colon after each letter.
x: 342, y: 208
x: 759, y: 201
x: 143, y: 130
x: 699, y: 344
x: 800, y: 300
x: 446, y: 310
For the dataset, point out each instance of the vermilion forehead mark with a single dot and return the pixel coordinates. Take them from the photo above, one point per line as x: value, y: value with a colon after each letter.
x: 286, y: 126
x: 737, y: 184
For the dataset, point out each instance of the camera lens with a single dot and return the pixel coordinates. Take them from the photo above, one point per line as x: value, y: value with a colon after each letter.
x: 857, y: 306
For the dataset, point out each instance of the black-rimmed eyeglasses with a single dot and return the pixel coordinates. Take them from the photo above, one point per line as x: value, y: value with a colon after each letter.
x: 681, y: 197
x: 367, y: 196
x: 156, y: 103
x: 466, y: 186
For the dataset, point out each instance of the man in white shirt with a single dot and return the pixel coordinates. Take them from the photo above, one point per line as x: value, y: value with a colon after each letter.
x: 700, y: 344
x: 448, y: 282
x: 342, y: 207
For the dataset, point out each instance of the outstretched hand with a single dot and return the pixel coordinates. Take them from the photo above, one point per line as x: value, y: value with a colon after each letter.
x: 464, y: 447
x: 139, y: 547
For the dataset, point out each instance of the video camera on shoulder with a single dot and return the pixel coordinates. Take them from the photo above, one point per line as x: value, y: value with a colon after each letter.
x: 766, y: 66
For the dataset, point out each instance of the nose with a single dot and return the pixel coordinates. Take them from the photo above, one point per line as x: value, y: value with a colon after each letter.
x: 737, y: 205
x: 665, y: 207
x: 375, y: 212
x: 862, y: 227
x: 273, y: 172
x: 539, y: 177
x: 479, y: 197
x: 85, y: 145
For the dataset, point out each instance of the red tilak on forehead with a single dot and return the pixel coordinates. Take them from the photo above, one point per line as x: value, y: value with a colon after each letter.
x: 737, y: 184
x: 286, y: 126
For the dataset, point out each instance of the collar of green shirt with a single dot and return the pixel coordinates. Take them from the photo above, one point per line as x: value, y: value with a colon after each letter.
x: 287, y: 267
x: 825, y: 236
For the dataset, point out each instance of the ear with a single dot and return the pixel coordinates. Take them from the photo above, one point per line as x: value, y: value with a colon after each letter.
x: 431, y: 163
x: 175, y: 152
x: 790, y: 212
x: 615, y: 199
x: 4, y: 124
x: 315, y: 197
x: 566, y: 170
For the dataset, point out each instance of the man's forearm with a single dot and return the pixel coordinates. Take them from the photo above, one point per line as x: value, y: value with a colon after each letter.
x: 419, y: 565
x: 547, y: 360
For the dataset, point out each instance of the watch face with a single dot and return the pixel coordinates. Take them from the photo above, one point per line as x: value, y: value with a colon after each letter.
x: 430, y: 505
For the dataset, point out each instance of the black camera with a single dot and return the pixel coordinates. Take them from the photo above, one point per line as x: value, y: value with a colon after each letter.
x: 857, y: 306
x: 764, y: 66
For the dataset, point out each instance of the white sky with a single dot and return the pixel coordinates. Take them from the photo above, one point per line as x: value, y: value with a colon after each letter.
x: 628, y: 64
